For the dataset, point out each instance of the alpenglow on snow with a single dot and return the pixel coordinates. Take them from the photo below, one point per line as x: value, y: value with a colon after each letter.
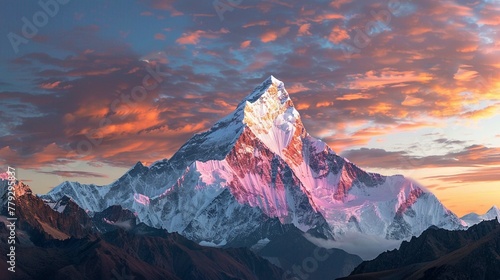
x: 257, y: 169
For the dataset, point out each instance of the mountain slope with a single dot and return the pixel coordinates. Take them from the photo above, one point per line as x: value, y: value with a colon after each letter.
x: 259, y: 164
x: 302, y: 259
x: 440, y: 254
x: 56, y: 243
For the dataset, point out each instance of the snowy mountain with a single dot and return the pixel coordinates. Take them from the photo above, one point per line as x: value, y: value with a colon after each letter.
x: 256, y: 170
x: 60, y: 241
x: 473, y: 218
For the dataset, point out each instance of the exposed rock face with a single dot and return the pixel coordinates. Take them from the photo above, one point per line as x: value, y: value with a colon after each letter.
x: 47, y: 221
x: 440, y: 254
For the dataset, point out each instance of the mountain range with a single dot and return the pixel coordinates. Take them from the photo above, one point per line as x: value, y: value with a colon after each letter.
x: 253, y: 197
x: 63, y: 242
x: 473, y: 218
x: 257, y: 169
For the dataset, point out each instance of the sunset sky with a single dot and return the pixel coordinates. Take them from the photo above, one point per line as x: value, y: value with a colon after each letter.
x: 397, y: 87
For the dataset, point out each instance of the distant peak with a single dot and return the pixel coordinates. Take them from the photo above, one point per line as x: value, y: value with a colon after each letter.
x: 136, y: 169
x: 494, y: 208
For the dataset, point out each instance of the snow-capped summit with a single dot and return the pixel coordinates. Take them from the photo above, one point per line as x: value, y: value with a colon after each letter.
x: 473, y: 218
x: 493, y: 213
x: 269, y: 113
x: 257, y: 169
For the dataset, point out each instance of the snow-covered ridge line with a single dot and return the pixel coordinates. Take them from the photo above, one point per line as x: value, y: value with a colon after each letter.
x: 257, y: 167
x: 473, y: 218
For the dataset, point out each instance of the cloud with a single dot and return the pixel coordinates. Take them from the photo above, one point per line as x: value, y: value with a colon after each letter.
x: 166, y: 5
x: 50, y: 85
x: 192, y: 38
x: 75, y: 174
x: 304, y: 29
x: 245, y: 44
x: 256, y: 23
x: 272, y: 35
x: 366, y: 246
x: 464, y: 74
x: 338, y: 35
x: 414, y: 72
x: 483, y: 113
x: 339, y: 3
x: 485, y: 174
x: 470, y: 156
x: 160, y: 36
x: 385, y: 77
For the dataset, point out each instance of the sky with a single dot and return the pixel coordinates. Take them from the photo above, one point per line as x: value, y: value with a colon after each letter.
x: 88, y: 88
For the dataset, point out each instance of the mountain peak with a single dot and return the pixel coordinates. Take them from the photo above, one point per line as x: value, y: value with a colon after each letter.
x: 269, y: 113
x: 493, y: 213
x: 473, y: 218
x: 262, y: 90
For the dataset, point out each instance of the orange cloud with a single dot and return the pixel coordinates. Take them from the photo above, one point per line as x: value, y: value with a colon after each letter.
x: 96, y: 72
x: 483, y: 113
x: 412, y: 101
x: 192, y: 38
x: 272, y: 35
x: 355, y: 96
x: 385, y: 77
x: 490, y: 15
x: 50, y: 85
x: 465, y: 74
x: 296, y: 87
x: 167, y: 5
x: 302, y: 106
x: 327, y: 16
x: 338, y: 35
x: 160, y: 36
x: 324, y: 104
x: 51, y: 154
x: 338, y: 3
x: 245, y: 44
x: 256, y: 23
x: 304, y: 29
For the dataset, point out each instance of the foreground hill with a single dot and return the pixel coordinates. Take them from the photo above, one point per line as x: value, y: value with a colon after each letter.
x: 440, y: 254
